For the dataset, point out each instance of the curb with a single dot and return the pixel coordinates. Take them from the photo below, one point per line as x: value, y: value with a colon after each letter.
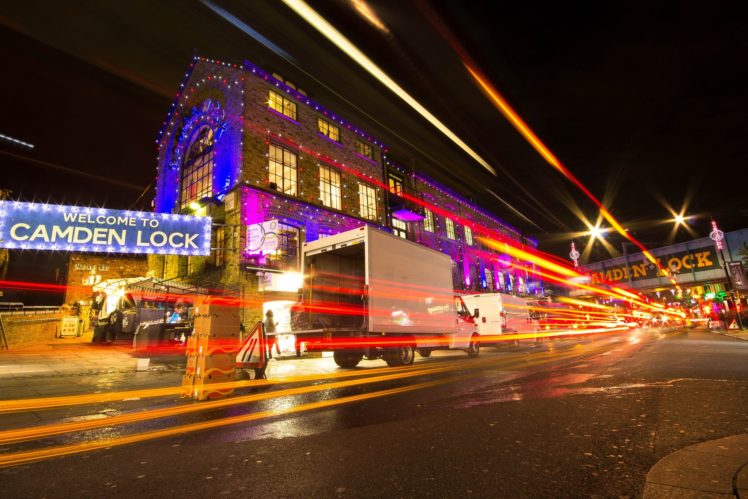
x: 714, y: 469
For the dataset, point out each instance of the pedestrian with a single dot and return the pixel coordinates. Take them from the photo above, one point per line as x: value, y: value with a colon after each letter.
x: 272, y: 339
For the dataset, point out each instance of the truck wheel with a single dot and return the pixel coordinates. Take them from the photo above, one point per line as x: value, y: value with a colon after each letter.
x: 403, y: 355
x: 425, y: 352
x: 347, y: 358
x: 474, y: 348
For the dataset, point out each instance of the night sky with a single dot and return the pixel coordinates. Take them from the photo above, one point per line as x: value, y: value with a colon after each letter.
x: 645, y: 102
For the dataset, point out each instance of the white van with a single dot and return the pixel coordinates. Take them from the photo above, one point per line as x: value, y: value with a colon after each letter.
x: 499, y: 313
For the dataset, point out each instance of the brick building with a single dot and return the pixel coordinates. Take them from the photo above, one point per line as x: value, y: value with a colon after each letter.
x: 274, y: 169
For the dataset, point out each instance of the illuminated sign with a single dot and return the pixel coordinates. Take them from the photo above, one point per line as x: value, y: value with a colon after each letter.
x: 677, y: 263
x: 71, y: 228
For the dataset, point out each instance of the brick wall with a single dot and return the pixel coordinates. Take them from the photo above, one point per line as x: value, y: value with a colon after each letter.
x: 30, y: 328
x: 85, y: 270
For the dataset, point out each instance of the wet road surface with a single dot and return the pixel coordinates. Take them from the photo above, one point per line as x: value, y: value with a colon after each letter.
x: 568, y: 418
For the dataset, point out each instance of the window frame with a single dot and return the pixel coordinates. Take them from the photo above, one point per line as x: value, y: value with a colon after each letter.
x: 400, y: 228
x: 369, y: 194
x: 397, y: 188
x: 329, y: 128
x: 197, y: 168
x: 429, y: 222
x: 450, y: 229
x: 291, y: 187
x: 282, y: 105
x: 364, y: 149
x: 327, y: 194
x: 468, y: 235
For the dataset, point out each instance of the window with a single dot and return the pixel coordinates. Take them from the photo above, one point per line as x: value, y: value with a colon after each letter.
x: 450, y: 229
x: 329, y: 130
x: 197, y: 173
x: 220, y: 252
x: 282, y: 169
x: 277, y: 102
x: 286, y: 255
x: 367, y: 202
x: 399, y: 228
x: 468, y: 235
x: 364, y: 149
x: 428, y: 220
x: 396, y: 185
x: 489, y: 279
x: 329, y: 187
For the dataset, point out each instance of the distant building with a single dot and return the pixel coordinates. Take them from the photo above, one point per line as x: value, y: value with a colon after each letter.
x: 275, y: 169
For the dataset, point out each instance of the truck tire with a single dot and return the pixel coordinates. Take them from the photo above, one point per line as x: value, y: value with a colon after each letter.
x: 403, y: 355
x: 425, y: 352
x: 347, y: 359
x: 473, y: 348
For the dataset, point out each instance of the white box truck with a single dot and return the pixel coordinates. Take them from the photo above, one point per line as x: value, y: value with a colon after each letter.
x: 499, y: 314
x: 367, y: 293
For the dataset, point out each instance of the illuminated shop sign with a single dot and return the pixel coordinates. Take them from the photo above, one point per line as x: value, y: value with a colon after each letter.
x: 677, y: 263
x: 72, y: 228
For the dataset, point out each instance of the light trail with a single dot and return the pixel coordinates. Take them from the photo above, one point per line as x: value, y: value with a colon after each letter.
x: 96, y: 398
x: 37, y: 432
x: 519, y: 124
x: 332, y: 34
x: 16, y: 458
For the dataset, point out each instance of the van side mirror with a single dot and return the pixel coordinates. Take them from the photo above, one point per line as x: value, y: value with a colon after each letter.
x: 476, y: 313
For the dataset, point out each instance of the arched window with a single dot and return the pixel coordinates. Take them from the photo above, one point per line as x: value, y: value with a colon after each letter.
x: 197, y: 172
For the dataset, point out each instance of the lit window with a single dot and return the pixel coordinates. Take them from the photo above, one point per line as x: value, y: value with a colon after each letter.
x: 399, y: 228
x: 282, y: 169
x: 396, y: 185
x: 220, y: 254
x: 367, y: 202
x: 284, y: 106
x: 329, y: 187
x: 468, y: 235
x: 489, y: 279
x: 428, y: 220
x: 364, y: 149
x: 286, y: 255
x: 450, y: 229
x: 329, y: 130
x: 197, y: 173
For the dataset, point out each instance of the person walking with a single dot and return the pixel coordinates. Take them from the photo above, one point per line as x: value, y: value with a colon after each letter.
x: 270, y: 331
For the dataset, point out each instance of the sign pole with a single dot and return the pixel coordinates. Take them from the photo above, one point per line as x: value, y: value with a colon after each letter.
x: 718, y: 237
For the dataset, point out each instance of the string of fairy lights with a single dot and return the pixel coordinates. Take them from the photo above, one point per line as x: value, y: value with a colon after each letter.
x: 189, y: 112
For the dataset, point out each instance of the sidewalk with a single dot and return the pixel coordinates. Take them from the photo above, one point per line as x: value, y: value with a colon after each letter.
x: 78, y: 356
x: 717, y: 469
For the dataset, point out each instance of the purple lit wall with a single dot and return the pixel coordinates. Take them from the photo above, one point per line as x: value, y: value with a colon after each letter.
x: 210, y: 97
x: 259, y: 206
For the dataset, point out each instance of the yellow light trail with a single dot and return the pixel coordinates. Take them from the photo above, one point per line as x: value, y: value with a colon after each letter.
x: 332, y: 34
x: 16, y: 458
x: 36, y: 432
x: 95, y: 398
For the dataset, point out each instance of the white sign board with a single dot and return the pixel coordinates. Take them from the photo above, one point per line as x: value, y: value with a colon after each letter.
x: 262, y: 238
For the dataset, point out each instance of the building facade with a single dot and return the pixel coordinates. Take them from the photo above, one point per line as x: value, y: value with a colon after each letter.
x: 275, y: 169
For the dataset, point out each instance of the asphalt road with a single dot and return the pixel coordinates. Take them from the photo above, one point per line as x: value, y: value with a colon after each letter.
x: 572, y: 418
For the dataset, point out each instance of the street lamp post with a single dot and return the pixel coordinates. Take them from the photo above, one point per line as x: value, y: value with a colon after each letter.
x: 718, y: 237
